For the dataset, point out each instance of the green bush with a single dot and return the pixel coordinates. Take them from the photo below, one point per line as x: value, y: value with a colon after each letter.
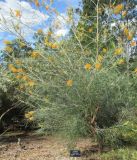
x: 124, y: 133
x: 120, y: 154
x: 75, y: 87
x: 70, y: 107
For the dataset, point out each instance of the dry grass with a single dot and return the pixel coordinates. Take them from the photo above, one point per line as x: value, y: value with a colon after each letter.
x: 39, y: 148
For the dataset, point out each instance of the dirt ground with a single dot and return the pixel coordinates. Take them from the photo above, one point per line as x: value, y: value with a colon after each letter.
x: 32, y: 147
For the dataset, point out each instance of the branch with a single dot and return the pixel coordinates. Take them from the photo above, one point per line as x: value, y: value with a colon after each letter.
x: 6, y: 112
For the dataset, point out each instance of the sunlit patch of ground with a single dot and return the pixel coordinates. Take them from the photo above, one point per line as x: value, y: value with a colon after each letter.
x: 39, y: 148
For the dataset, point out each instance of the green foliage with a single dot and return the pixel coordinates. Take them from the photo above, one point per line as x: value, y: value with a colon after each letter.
x: 89, y: 6
x: 19, y: 48
x: 70, y: 109
x: 123, y: 133
x: 77, y: 86
x: 120, y: 154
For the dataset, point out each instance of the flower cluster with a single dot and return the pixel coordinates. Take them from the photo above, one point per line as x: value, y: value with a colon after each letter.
x: 8, y: 49
x: 99, y: 61
x: 118, y: 9
x: 20, y: 74
x: 35, y: 54
x: 13, y: 69
x: 69, y: 83
x: 128, y: 34
x: 104, y: 50
x: 98, y: 66
x: 51, y: 44
x: 17, y: 13
x: 118, y: 51
x: 37, y: 3
x: 88, y: 66
x: 30, y: 115
x: 39, y: 31
x: 135, y: 70
x: 7, y: 42
x: 133, y: 43
x: 121, y: 61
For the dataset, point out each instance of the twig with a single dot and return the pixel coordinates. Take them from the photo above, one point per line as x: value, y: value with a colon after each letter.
x: 4, y: 132
x: 6, y: 112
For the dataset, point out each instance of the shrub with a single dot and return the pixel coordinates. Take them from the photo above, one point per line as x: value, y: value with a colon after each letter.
x: 120, y: 154
x: 124, y: 133
x: 74, y: 88
x: 65, y: 91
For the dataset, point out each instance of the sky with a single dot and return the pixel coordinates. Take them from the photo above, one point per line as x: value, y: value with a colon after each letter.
x: 32, y: 18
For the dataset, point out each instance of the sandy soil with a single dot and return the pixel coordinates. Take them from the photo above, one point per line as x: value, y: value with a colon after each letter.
x: 39, y: 148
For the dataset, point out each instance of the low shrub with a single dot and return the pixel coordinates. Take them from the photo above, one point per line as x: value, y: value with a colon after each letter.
x: 120, y: 154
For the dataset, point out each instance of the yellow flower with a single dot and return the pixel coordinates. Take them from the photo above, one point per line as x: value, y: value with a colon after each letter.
x: 31, y: 113
x: 22, y: 44
x: 36, y: 2
x: 121, y: 61
x: 39, y: 31
x: 100, y: 10
x: 7, y: 42
x: 49, y: 33
x: 18, y: 76
x: 27, y: 115
x: 130, y: 36
x: 111, y: 5
x: 12, y: 68
x: 30, y: 92
x: 133, y: 43
x: 46, y: 41
x: 135, y: 70
x: 54, y: 46
x: 20, y: 70
x: 47, y: 7
x: 124, y: 13
x: 118, y: 9
x: 34, y: 54
x: 25, y: 78
x: 69, y: 83
x: 49, y: 44
x: 118, y: 51
x: 98, y: 66
x: 90, y: 30
x: 8, y: 49
x: 17, y: 13
x: 88, y: 66
x: 31, y: 119
x: 100, y: 58
x: 104, y: 50
x: 31, y: 83
x: 126, y: 31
